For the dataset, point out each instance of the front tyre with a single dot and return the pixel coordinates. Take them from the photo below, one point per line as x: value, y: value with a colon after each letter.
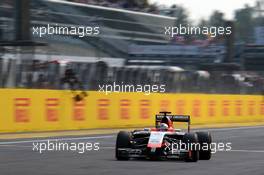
x: 123, y: 141
x: 205, y: 139
x: 191, y: 141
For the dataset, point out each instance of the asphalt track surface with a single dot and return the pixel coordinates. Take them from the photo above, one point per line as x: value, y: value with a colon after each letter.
x: 246, y: 157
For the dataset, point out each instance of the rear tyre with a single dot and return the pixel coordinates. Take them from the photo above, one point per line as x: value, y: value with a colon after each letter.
x: 123, y: 141
x: 205, y: 138
x: 191, y: 141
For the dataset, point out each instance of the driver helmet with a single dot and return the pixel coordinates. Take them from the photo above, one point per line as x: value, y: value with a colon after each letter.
x: 167, y: 121
x: 164, y: 126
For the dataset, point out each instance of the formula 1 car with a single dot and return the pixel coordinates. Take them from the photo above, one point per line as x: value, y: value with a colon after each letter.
x: 164, y: 142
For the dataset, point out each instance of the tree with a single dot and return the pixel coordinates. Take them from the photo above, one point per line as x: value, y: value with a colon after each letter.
x: 245, y: 24
x: 259, y: 13
x: 203, y: 23
x: 217, y: 19
x: 180, y: 13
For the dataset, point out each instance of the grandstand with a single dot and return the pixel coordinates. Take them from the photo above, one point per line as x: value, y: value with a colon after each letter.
x: 120, y: 28
x: 253, y: 57
x: 129, y: 42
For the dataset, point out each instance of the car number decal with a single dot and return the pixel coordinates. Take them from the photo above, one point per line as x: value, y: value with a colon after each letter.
x: 156, y: 139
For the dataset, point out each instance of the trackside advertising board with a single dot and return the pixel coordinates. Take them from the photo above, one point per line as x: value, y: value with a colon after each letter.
x: 46, y: 110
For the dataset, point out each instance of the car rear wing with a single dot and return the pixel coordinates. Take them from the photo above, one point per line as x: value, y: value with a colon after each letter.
x: 174, y: 118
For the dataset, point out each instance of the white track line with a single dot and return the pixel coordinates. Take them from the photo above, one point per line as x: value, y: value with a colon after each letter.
x: 15, y: 146
x: 247, y: 151
x: 112, y: 136
x: 107, y: 147
x: 230, y: 129
x: 59, y: 139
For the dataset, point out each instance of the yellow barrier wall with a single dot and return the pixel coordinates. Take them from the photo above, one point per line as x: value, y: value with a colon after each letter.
x: 43, y: 110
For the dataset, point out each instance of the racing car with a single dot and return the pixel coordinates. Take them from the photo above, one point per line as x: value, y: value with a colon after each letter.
x: 164, y: 141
